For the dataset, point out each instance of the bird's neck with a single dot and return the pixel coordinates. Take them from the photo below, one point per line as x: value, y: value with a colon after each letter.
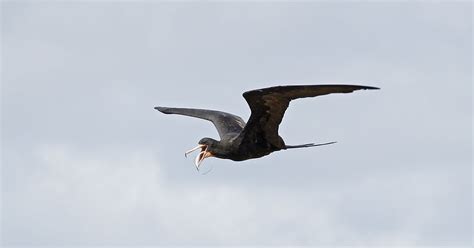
x: 223, y: 149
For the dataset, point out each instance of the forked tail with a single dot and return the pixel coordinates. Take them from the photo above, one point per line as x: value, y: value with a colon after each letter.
x: 309, y: 145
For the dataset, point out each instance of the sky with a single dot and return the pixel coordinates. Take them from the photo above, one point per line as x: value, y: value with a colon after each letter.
x: 87, y: 161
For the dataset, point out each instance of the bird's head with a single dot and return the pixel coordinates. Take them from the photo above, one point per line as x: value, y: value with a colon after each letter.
x: 206, y: 145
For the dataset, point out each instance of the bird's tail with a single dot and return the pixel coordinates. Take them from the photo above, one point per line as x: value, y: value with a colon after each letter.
x: 309, y: 145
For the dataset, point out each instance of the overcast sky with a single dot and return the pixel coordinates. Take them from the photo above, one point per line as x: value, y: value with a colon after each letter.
x: 86, y: 160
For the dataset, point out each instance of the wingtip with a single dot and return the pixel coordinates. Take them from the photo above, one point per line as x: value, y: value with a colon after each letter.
x: 371, y: 88
x: 164, y: 110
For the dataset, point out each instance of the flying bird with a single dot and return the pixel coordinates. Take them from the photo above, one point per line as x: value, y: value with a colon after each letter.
x: 259, y: 136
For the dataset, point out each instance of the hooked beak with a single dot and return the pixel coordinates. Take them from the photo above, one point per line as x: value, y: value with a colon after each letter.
x: 201, y: 156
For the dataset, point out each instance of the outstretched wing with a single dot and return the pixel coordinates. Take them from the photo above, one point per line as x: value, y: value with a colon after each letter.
x: 224, y: 122
x: 268, y: 106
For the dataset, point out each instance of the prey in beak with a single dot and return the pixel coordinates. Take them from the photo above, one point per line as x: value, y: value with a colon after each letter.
x: 201, y: 156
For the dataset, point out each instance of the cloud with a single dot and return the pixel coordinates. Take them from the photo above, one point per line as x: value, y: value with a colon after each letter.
x: 72, y: 197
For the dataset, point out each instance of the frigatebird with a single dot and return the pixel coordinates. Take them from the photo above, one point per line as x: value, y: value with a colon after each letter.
x: 259, y: 136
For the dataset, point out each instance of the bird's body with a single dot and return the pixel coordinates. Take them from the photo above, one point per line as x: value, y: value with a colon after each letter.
x: 259, y: 136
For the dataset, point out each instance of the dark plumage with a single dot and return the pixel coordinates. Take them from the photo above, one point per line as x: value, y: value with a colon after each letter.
x: 259, y: 137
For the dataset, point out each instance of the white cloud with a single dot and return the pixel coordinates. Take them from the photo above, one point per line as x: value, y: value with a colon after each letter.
x: 78, y: 198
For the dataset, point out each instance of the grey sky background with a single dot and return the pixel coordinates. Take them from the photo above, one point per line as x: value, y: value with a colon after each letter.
x: 86, y: 160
